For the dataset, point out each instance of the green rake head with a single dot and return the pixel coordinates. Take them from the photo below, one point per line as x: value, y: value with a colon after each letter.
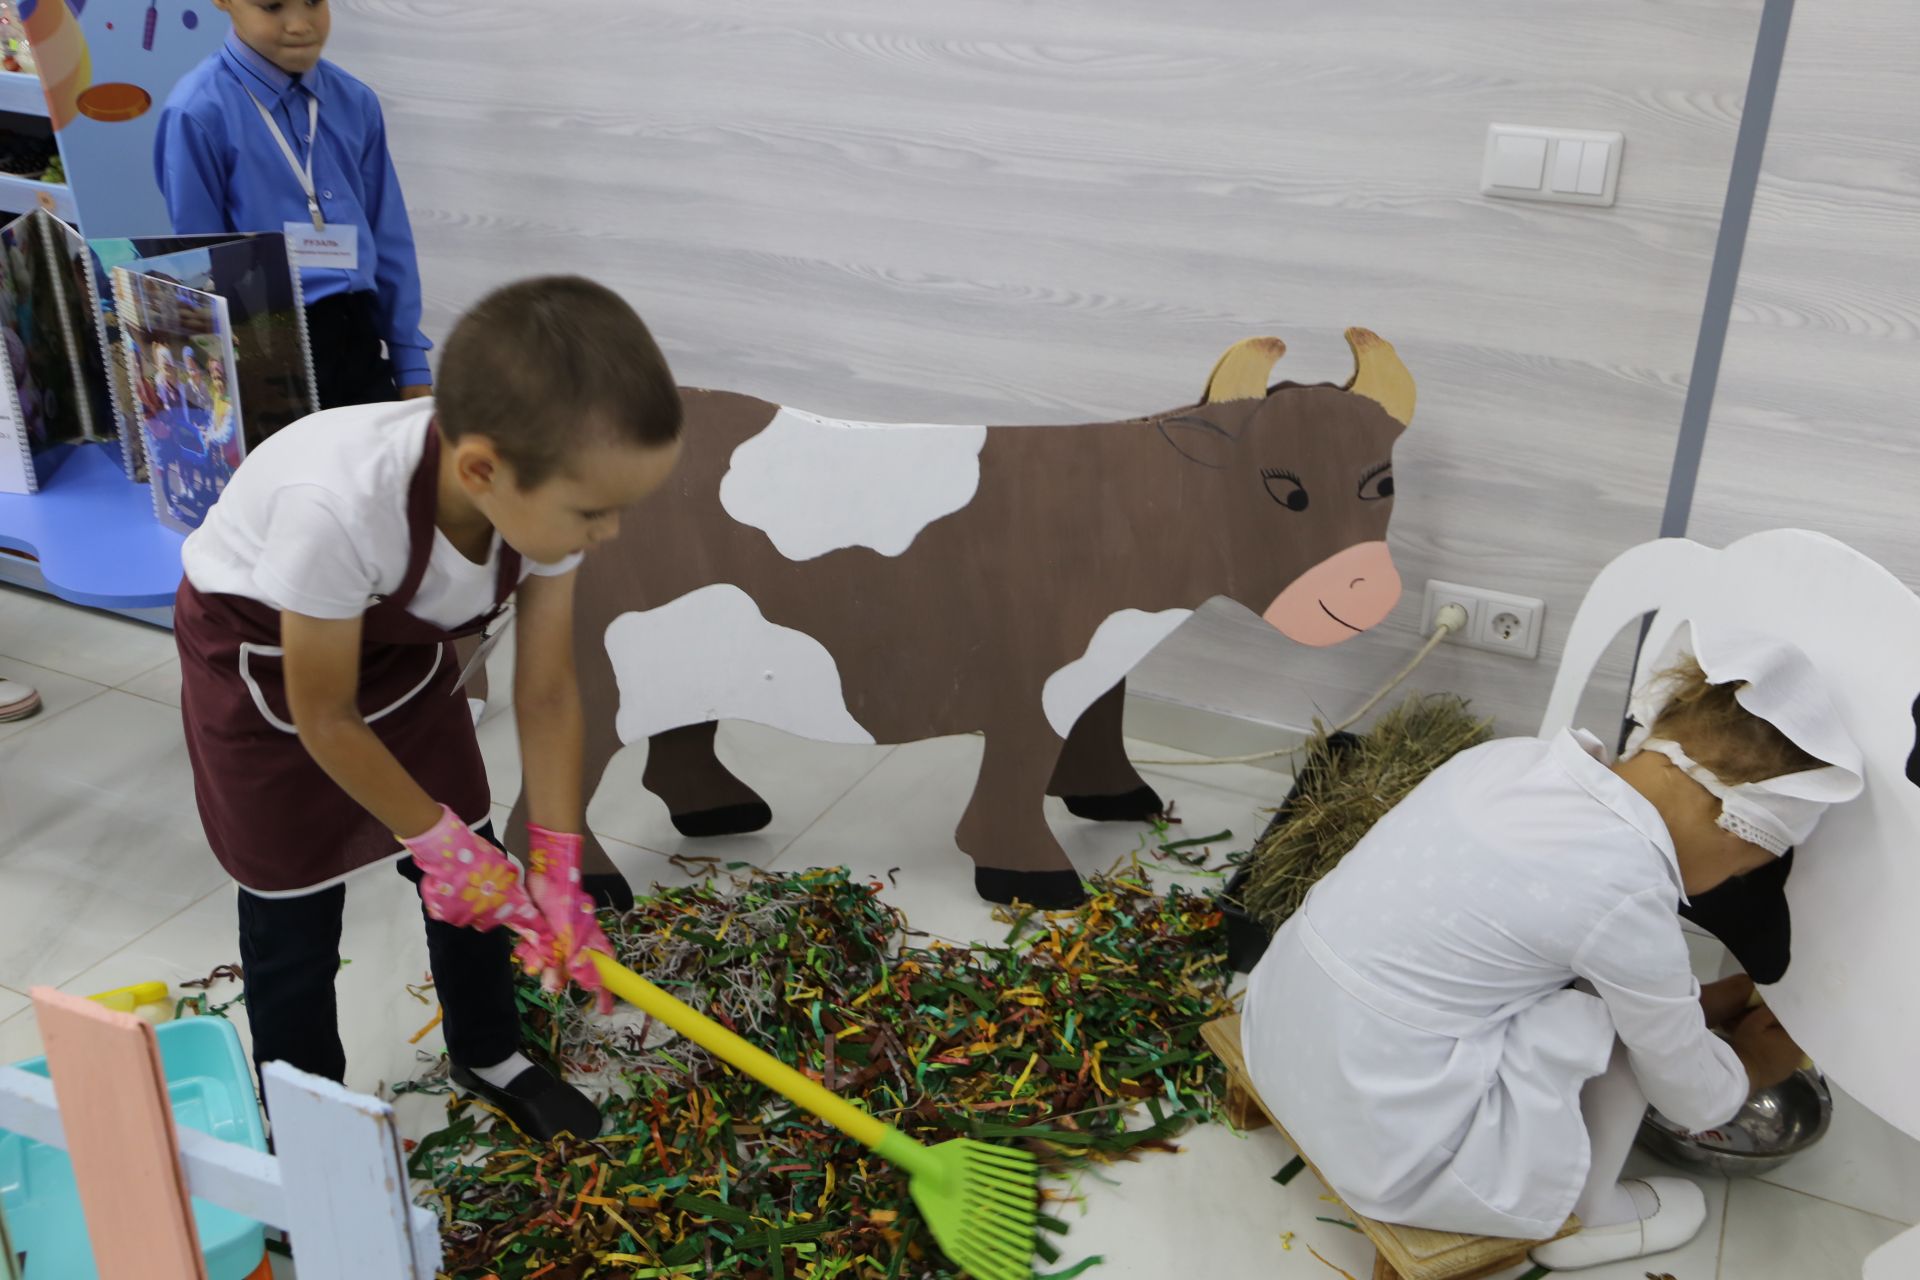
x: 980, y: 1202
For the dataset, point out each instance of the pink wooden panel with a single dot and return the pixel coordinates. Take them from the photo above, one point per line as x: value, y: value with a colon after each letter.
x: 120, y: 1136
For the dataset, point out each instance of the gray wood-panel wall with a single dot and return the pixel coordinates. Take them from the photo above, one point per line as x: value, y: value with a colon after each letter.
x: 1814, y: 420
x: 989, y: 210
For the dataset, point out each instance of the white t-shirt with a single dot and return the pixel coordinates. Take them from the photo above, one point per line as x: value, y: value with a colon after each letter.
x: 315, y: 522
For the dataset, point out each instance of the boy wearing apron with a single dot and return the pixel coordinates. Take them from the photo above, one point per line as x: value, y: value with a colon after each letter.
x: 316, y: 623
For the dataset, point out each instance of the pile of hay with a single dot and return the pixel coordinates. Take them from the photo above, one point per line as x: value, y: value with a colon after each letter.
x: 1347, y: 783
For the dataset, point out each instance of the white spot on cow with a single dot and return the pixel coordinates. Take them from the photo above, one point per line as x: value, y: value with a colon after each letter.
x: 815, y: 485
x: 712, y: 655
x: 1117, y: 647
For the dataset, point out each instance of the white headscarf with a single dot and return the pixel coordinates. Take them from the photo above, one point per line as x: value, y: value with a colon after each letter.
x: 1779, y: 685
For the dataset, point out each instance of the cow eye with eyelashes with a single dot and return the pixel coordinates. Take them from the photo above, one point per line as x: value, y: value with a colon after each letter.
x: 1377, y: 483
x: 1285, y: 488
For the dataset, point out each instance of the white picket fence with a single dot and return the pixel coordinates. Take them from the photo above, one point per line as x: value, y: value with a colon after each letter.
x: 337, y: 1183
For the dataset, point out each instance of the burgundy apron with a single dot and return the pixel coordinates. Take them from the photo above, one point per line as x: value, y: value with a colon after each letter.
x: 275, y: 820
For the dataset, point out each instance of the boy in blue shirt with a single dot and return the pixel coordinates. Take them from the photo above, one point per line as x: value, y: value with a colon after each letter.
x: 265, y: 136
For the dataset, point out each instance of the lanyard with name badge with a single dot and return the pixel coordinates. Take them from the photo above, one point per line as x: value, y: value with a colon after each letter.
x: 303, y: 175
x: 337, y: 247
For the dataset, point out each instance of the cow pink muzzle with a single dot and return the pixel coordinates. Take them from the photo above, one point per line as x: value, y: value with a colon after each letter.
x: 1338, y: 598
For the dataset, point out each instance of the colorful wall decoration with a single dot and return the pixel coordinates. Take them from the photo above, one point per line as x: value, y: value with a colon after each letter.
x: 107, y: 66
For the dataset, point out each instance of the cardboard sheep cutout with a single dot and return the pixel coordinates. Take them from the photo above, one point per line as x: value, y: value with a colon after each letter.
x: 887, y: 583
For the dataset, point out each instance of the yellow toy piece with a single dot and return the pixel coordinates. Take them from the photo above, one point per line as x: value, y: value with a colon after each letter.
x: 149, y: 1001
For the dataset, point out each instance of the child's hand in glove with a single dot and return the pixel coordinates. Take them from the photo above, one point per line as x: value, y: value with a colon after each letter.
x: 473, y: 885
x: 572, y: 929
x: 468, y: 882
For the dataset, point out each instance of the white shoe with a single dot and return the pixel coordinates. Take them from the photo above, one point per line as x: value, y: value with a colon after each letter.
x: 17, y: 701
x: 1681, y: 1213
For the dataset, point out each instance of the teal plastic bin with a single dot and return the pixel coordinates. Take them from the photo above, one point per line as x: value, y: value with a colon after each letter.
x: 211, y: 1088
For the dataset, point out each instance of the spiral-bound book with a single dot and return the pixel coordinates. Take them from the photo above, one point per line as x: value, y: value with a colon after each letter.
x: 272, y: 367
x: 55, y: 369
x: 190, y: 403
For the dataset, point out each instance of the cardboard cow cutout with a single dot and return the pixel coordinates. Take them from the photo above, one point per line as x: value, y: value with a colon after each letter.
x: 1848, y: 994
x: 886, y: 583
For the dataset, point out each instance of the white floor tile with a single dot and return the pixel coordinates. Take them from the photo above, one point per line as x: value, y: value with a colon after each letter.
x: 100, y: 647
x: 1211, y: 1210
x: 798, y: 779
x: 161, y: 684
x: 1775, y: 1232
x: 1863, y: 1163
x: 103, y: 841
x: 19, y: 1036
x: 58, y: 692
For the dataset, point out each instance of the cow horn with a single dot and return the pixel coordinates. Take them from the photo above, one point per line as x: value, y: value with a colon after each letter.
x: 1241, y: 374
x: 1378, y: 374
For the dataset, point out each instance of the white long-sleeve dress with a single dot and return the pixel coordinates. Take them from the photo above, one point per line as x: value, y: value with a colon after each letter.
x: 1414, y: 1026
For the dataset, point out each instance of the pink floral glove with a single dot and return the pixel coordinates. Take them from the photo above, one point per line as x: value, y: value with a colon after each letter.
x: 572, y: 929
x: 469, y: 883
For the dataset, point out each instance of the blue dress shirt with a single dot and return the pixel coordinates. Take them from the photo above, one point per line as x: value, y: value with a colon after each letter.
x: 221, y: 170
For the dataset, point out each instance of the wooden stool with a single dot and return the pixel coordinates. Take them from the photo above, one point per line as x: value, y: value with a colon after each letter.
x: 1403, y: 1253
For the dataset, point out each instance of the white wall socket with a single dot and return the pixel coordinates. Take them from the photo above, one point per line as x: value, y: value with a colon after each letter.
x: 1496, y: 621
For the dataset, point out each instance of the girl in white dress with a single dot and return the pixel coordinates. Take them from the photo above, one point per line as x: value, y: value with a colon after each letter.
x: 1464, y: 1022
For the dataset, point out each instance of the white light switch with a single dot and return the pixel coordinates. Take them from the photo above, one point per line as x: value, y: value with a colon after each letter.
x: 1518, y: 162
x: 1593, y: 167
x: 1565, y: 166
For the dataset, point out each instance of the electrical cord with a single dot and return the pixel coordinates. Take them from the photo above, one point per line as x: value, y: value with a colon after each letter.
x: 1449, y: 620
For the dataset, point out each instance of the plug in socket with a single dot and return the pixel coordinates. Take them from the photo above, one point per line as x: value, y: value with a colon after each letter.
x: 1496, y: 621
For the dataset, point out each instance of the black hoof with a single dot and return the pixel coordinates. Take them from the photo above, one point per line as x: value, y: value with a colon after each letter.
x: 609, y: 891
x: 1138, y: 805
x: 540, y: 1104
x: 1045, y: 890
x: 728, y: 820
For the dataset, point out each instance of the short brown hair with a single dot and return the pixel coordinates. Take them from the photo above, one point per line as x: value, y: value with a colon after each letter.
x: 542, y: 366
x: 1711, y: 726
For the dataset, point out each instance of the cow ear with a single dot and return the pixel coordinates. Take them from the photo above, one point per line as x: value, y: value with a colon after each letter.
x: 1201, y: 441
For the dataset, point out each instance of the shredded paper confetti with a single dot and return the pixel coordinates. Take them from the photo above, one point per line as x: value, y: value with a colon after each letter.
x: 1077, y: 1037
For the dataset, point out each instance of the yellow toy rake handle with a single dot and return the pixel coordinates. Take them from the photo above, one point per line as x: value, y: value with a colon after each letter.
x: 759, y: 1064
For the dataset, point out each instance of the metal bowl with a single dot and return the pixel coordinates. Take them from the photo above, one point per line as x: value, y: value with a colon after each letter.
x: 1774, y: 1126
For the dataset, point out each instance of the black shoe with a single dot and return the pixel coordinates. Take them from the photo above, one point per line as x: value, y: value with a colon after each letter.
x: 1044, y: 890
x: 540, y: 1104
x: 609, y: 891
